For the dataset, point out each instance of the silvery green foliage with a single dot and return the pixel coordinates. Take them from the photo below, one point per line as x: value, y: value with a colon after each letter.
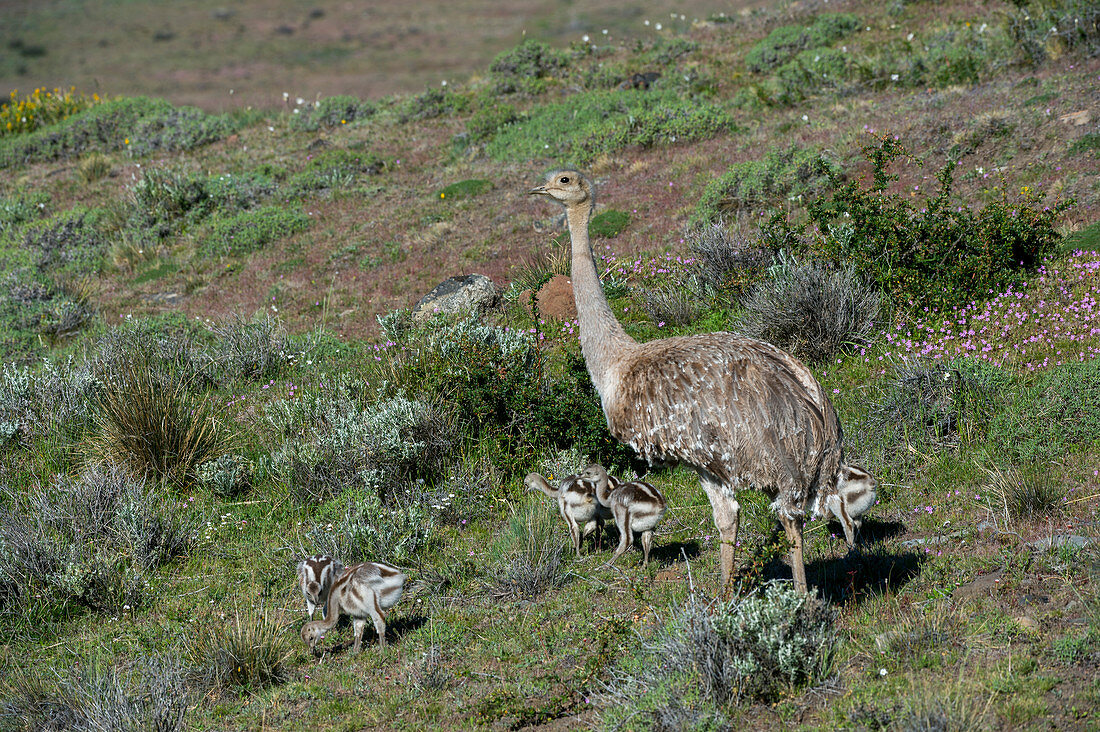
x: 57, y: 394
x: 396, y: 324
x: 150, y: 694
x: 250, y: 348
x: 90, y: 539
x: 452, y: 340
x: 227, y: 475
x: 370, y: 531
x: 564, y: 462
x: 380, y: 446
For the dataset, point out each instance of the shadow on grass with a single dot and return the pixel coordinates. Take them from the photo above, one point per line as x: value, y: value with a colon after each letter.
x: 404, y: 625
x: 674, y: 552
x: 873, y: 531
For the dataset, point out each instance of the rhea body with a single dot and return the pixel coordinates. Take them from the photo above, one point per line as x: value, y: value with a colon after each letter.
x: 315, y: 577
x: 637, y: 507
x: 577, y: 503
x: 740, y: 412
x: 363, y: 591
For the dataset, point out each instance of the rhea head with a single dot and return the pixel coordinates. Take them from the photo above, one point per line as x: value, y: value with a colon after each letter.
x: 568, y: 187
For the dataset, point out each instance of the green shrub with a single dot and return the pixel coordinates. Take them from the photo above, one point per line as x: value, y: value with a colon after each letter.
x: 600, y: 122
x: 525, y: 67
x: 92, y: 540
x: 255, y: 348
x: 940, y: 254
x: 779, y: 174
x: 784, y: 42
x: 248, y: 651
x: 55, y: 397
x: 21, y: 208
x: 1085, y: 143
x: 227, y: 476
x: 814, y: 70
x: 465, y: 189
x: 250, y: 231
x: 725, y: 261
x: 1041, y: 29
x: 71, y: 243
x: 608, y: 224
x: 147, y: 694
x: 165, y: 199
x: 139, y: 125
x: 431, y: 104
x: 332, y: 170
x: 812, y: 310
x: 488, y: 119
x: 332, y: 112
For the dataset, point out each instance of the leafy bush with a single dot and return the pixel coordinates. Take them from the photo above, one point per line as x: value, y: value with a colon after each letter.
x: 811, y: 310
x: 21, y: 208
x: 813, y: 70
x: 139, y: 125
x: 369, y: 530
x: 608, y: 224
x: 598, y: 122
x: 165, y: 199
x: 779, y: 174
x: 250, y: 231
x: 431, y: 104
x: 526, y: 67
x: 148, y: 694
x: 247, y: 652
x: 332, y: 112
x: 784, y: 42
x: 152, y: 422
x: 255, y: 348
x: 40, y: 108
x: 380, y: 446
x: 92, y: 540
x: 488, y: 119
x: 940, y: 254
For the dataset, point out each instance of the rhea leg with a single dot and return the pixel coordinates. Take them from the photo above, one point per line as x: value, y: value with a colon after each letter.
x: 574, y: 533
x: 727, y: 516
x: 626, y: 536
x: 358, y: 626
x: 793, y: 527
x: 379, y: 619
x: 647, y: 542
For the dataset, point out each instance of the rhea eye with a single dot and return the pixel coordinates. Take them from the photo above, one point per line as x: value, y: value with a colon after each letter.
x: 564, y: 179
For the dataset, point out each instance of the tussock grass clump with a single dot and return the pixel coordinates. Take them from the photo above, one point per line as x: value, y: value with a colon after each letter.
x: 527, y: 560
x: 812, y: 310
x: 248, y: 651
x: 152, y: 422
x: 724, y: 260
x: 149, y: 694
x: 1025, y: 492
x: 92, y: 540
x: 674, y: 303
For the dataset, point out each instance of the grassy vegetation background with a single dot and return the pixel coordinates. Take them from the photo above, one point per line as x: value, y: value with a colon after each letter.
x: 211, y: 371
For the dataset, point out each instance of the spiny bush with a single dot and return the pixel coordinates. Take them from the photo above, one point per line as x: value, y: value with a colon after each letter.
x: 246, y: 652
x: 57, y: 396
x: 811, y: 310
x: 250, y: 231
x: 675, y: 303
x: 791, y: 172
x: 366, y: 529
x: 72, y: 243
x: 332, y: 112
x: 40, y: 108
x: 378, y: 446
x: 784, y: 42
x: 148, y: 694
x: 526, y: 67
x: 169, y: 343
x: 726, y: 261
x: 166, y: 199
x: 138, y: 125
x: 756, y: 647
x: 154, y: 423
x: 255, y: 348
x: 92, y: 540
x: 527, y: 560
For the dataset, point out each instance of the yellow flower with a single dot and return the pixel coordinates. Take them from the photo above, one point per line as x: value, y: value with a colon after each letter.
x: 442, y: 195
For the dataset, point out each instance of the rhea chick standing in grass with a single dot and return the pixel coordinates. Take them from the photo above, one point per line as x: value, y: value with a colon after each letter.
x: 363, y: 591
x: 636, y: 505
x: 738, y: 411
x: 577, y: 504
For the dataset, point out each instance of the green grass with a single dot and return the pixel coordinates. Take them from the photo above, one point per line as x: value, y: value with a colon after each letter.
x: 250, y: 231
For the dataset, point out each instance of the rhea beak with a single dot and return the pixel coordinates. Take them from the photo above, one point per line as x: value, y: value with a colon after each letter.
x: 540, y: 190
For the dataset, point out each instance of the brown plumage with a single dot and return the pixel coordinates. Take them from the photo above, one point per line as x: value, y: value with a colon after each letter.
x: 637, y: 507
x: 577, y: 504
x: 361, y: 591
x: 740, y: 412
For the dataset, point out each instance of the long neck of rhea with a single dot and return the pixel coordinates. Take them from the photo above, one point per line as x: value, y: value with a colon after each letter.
x: 603, y: 339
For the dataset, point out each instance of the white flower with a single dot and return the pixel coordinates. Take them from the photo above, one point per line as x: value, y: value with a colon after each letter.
x: 585, y: 38
x: 805, y: 118
x: 658, y: 26
x: 893, y: 77
x: 645, y: 22
x: 882, y: 672
x: 909, y: 37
